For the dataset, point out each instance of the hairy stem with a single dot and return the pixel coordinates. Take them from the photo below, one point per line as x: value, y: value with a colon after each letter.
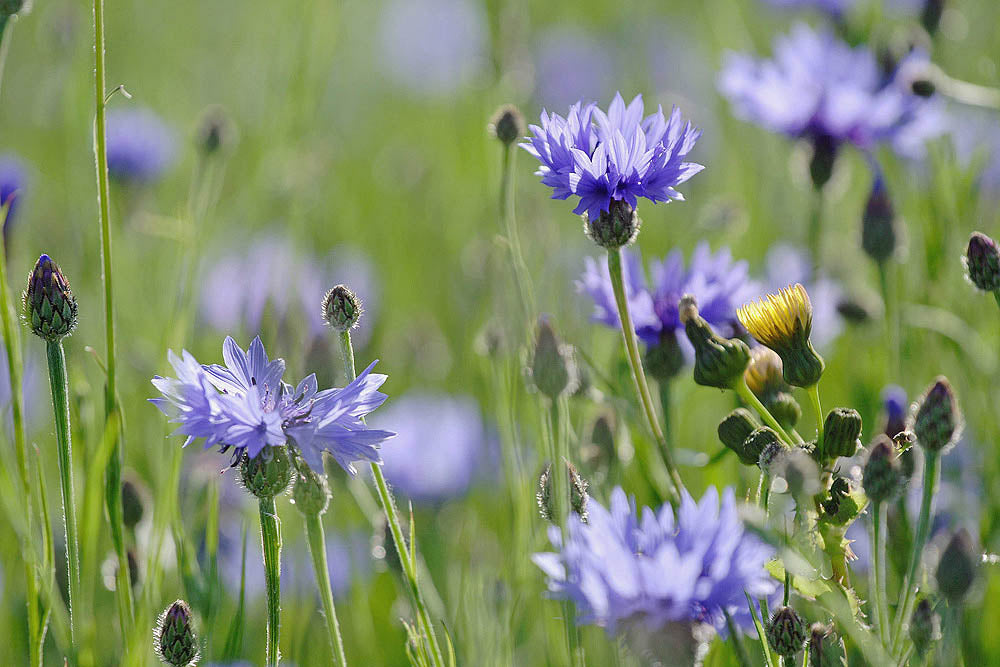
x: 317, y: 550
x: 743, y: 391
x: 270, y: 536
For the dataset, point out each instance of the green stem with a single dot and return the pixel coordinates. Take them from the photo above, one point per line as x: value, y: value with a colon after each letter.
x: 734, y: 638
x: 562, y: 506
x: 317, y: 549
x: 743, y: 391
x: 880, y: 609
x: 59, y: 384
x: 510, y: 229
x: 638, y: 373
x: 816, y: 229
x: 113, y: 474
x: 892, y: 338
x: 813, y: 392
x: 665, y: 405
x: 270, y: 536
x: 389, y: 508
x: 907, y: 592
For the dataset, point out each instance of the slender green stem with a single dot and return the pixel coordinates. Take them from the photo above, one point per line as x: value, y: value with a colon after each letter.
x: 638, y: 373
x: 665, y: 409
x: 521, y: 276
x: 59, y: 385
x: 892, y: 322
x: 734, y: 638
x: 907, y: 592
x: 317, y: 549
x: 113, y: 472
x: 816, y: 228
x: 270, y: 536
x: 877, y: 594
x: 6, y: 28
x: 562, y: 506
x: 743, y: 391
x: 817, y: 406
x: 392, y: 517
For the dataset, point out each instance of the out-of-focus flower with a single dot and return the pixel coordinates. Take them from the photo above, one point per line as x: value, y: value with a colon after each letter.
x: 13, y: 179
x: 785, y: 265
x: 656, y: 568
x: 245, y: 406
x: 615, y: 156
x: 140, y: 145
x: 571, y: 63
x: 432, y: 47
x: 819, y: 88
x: 440, y: 449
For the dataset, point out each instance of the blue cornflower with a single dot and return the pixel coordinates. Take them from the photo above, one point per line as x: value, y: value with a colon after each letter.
x: 245, y: 406
x: 12, y: 182
x: 618, y: 155
x: 822, y: 89
x: 657, y: 568
x: 140, y: 145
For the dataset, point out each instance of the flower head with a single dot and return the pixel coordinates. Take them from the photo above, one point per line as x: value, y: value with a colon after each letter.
x: 783, y: 322
x: 658, y: 567
x: 615, y: 156
x: 48, y: 304
x: 140, y: 145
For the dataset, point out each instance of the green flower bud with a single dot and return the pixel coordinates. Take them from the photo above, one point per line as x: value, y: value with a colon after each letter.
x: 48, y: 303
x: 759, y: 442
x: 930, y: 15
x: 826, y: 648
x: 982, y: 262
x: 579, y: 493
x: 552, y: 369
x: 956, y: 571
x: 311, y: 492
x: 925, y: 626
x: 600, y: 453
x: 878, y: 224
x: 718, y: 362
x: 216, y: 132
x: 614, y: 228
x: 840, y: 433
x: 267, y: 474
x: 734, y: 431
x: 786, y: 632
x: 11, y: 7
x: 784, y: 408
x: 507, y: 124
x: 134, y: 498
x: 882, y: 477
x: 936, y: 421
x: 821, y: 163
x: 175, y: 641
x: 665, y: 360
x: 341, y: 308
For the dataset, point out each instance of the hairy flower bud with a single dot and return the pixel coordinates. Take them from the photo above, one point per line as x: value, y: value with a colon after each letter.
x: 826, y: 648
x: 341, y: 308
x: 48, y: 304
x: 937, y: 421
x: 718, y: 362
x: 840, y: 433
x: 664, y: 360
x: 175, y: 641
x: 507, y: 124
x: 267, y: 474
x: 925, y: 626
x: 734, y: 431
x: 823, y: 157
x: 878, y: 223
x: 552, y: 368
x: 763, y: 446
x: 882, y: 477
x: 614, y: 228
x: 982, y: 262
x: 216, y: 132
x: 579, y: 493
x: 311, y: 492
x: 786, y: 632
x: 956, y: 571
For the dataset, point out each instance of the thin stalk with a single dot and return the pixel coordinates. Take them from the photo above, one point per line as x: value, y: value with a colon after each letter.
x: 562, y: 506
x: 638, y: 373
x: 270, y: 536
x: 317, y: 549
x: 113, y: 472
x: 734, y: 638
x: 666, y: 403
x: 59, y: 384
x: 743, y: 391
x: 389, y: 508
x: 6, y: 28
x: 880, y: 608
x: 521, y: 276
x: 892, y: 340
x: 907, y: 596
x: 816, y: 228
x: 813, y: 392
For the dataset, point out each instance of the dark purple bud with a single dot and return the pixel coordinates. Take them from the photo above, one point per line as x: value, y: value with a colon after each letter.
x: 48, y: 304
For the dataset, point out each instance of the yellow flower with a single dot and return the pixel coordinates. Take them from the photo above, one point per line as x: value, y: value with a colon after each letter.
x: 783, y: 322
x: 763, y: 375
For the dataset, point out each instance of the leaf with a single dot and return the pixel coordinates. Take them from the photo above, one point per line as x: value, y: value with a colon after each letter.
x: 809, y: 587
x: 761, y: 639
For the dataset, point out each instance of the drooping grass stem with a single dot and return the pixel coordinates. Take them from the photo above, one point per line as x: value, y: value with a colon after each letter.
x: 405, y: 553
x: 270, y: 535
x: 317, y: 551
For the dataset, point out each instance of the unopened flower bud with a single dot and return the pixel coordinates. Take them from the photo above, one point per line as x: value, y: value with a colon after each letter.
x: 923, y: 87
x: 311, y: 492
x: 853, y: 310
x: 937, y: 421
x: 764, y: 376
x: 176, y: 642
x: 925, y: 626
x: 882, y: 477
x: 718, y: 362
x: 614, y: 228
x: 784, y: 408
x: 507, y: 124
x: 982, y: 262
x: 786, y: 632
x: 894, y: 405
x: 600, y: 454
x: 734, y: 431
x: 762, y: 441
x: 930, y: 15
x: 267, y: 474
x: 823, y: 157
x: 133, y: 502
x: 826, y: 648
x: 341, y: 308
x: 956, y: 571
x: 840, y: 433
x: 216, y: 131
x: 48, y: 304
x: 878, y: 224
x: 579, y: 495
x: 552, y: 368
x: 664, y: 360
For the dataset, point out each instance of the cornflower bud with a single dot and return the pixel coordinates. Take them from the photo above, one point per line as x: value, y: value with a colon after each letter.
x: 552, y: 368
x: 882, y: 477
x: 982, y: 262
x: 840, y: 433
x: 783, y: 322
x: 341, y: 308
x: 786, y: 632
x: 614, y: 228
x: 48, y: 304
x: 823, y: 157
x: 132, y: 503
x: 826, y: 649
x: 175, y: 641
x: 579, y: 493
x: 925, y: 626
x: 507, y: 124
x: 216, y: 131
x: 718, y: 362
x: 957, y: 568
x: 878, y: 224
x: 311, y: 492
x: 936, y: 420
x: 734, y: 431
x: 664, y: 360
x: 267, y: 474
x: 930, y: 15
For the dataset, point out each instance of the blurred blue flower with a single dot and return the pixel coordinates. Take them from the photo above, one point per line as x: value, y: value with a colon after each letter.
x: 786, y: 265
x: 245, y: 406
x: 596, y: 282
x: 822, y: 89
x: 13, y: 179
x: 656, y: 568
x: 570, y: 63
x: 441, y: 446
x: 833, y: 7
x: 618, y: 155
x: 140, y: 145
x: 432, y: 47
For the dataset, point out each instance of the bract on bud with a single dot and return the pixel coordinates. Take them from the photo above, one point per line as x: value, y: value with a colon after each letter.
x: 718, y: 362
x: 507, y: 124
x: 936, y: 419
x: 615, y: 228
x: 176, y: 642
x: 267, y: 474
x: 48, y: 304
x: 552, y: 368
x: 786, y: 632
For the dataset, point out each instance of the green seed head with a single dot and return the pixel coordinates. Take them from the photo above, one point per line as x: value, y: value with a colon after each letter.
x: 176, y: 642
x: 48, y: 304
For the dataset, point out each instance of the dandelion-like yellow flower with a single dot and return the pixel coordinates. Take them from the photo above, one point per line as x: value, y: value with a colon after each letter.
x: 783, y: 322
